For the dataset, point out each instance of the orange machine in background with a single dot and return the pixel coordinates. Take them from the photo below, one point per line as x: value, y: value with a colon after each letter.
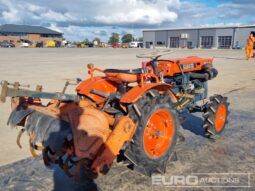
x: 249, y: 47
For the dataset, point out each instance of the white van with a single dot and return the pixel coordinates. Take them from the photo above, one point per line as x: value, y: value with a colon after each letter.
x: 25, y: 44
x: 135, y: 44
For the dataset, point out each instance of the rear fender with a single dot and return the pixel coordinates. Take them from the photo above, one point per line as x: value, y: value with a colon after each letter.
x: 135, y: 93
x: 98, y: 83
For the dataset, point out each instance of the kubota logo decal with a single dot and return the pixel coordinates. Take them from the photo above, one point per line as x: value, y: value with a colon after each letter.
x: 188, y: 66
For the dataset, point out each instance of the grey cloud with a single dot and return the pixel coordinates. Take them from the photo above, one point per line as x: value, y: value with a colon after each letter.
x: 100, y: 33
x: 89, y: 12
x: 236, y: 9
x: 80, y: 18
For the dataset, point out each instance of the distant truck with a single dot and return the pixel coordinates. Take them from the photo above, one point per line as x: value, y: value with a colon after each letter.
x: 135, y: 44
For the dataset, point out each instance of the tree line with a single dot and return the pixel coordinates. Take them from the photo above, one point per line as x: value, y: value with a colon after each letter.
x: 126, y: 38
x: 115, y: 37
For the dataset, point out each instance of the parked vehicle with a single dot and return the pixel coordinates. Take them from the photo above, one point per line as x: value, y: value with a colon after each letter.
x: 136, y: 44
x: 124, y: 45
x: 50, y: 44
x: 140, y: 44
x: 116, y: 45
x: 71, y: 45
x: 57, y: 44
x: 7, y: 45
x: 39, y: 45
x: 90, y: 45
x: 25, y: 44
x: 80, y: 45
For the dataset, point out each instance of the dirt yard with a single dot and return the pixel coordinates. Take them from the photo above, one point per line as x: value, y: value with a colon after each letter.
x: 233, y: 152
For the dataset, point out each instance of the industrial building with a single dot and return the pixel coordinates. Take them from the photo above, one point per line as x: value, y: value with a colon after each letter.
x: 223, y: 37
x: 18, y: 34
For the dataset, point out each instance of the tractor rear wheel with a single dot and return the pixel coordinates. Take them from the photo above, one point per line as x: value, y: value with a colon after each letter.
x: 156, y: 134
x: 215, y: 116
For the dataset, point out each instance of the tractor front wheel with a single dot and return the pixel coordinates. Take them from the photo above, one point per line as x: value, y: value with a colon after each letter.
x: 215, y: 115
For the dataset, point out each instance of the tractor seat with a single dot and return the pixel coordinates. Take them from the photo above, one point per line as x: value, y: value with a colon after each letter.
x: 127, y: 76
x: 130, y: 71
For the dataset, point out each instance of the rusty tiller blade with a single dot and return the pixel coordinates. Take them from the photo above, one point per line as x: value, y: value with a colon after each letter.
x: 50, y: 131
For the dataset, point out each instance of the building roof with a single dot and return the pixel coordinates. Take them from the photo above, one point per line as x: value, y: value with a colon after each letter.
x: 196, y: 28
x: 27, y: 29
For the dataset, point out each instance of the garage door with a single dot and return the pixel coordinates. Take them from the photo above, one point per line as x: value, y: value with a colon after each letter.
x: 148, y: 44
x: 206, y: 41
x: 224, y: 41
x: 174, y: 42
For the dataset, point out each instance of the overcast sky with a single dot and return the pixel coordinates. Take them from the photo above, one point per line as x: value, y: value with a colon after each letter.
x: 80, y: 19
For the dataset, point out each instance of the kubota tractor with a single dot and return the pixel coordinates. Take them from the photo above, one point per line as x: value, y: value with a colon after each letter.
x: 132, y: 115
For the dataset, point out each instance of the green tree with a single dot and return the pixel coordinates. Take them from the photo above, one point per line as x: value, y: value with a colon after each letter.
x: 97, y: 40
x: 86, y: 41
x: 114, y: 38
x: 140, y: 39
x: 126, y: 38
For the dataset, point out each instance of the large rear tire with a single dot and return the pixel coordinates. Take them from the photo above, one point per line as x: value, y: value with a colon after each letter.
x: 156, y: 134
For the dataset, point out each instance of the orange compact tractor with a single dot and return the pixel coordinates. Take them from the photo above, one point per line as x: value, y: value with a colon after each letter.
x: 132, y: 115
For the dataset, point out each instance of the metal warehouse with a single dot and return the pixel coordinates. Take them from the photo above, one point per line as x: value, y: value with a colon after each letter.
x: 226, y: 37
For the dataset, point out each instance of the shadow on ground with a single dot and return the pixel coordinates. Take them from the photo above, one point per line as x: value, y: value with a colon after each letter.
x: 193, y: 122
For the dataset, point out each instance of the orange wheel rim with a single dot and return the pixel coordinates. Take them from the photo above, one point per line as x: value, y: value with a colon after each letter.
x: 158, y: 133
x: 220, y: 117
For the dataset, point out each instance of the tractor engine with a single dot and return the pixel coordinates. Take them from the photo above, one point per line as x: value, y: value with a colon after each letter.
x: 192, y: 83
x: 188, y: 77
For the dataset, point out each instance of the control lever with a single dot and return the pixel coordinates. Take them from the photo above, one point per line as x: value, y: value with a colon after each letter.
x: 102, y: 94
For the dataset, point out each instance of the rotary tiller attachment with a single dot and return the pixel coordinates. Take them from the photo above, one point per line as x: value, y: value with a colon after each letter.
x: 71, y: 135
